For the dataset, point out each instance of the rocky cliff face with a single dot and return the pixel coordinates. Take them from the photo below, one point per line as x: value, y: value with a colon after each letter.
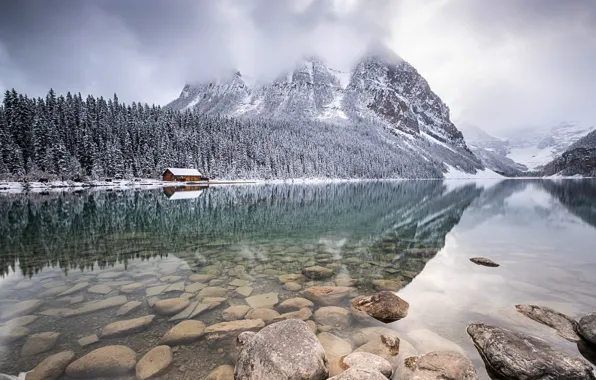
x: 578, y: 159
x: 382, y: 92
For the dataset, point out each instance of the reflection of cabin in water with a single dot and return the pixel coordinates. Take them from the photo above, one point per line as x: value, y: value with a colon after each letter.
x: 183, y: 175
x: 183, y: 192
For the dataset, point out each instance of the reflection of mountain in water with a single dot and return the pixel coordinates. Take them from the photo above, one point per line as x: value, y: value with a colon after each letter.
x: 373, y: 221
x: 579, y: 196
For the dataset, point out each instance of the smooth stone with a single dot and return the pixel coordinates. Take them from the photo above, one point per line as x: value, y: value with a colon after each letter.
x: 54, y: 291
x: 126, y: 327
x: 20, y: 309
x: 335, y: 347
x: 176, y: 287
x: 104, y: 361
x: 233, y: 313
x: 293, y: 277
x: 519, y: 356
x: 367, y: 360
x: 212, y: 291
x: 52, y: 284
x: 293, y: 304
x: 9, y: 334
x: 346, y: 282
x: 21, y: 321
x: 243, y: 291
x: 587, y: 327
x: 333, y: 316
x: 128, y: 307
x: 292, y: 286
x: 565, y: 326
x: 171, y: 306
x: 438, y: 365
x: 57, y: 312
x: 201, y: 308
x: 302, y: 314
x: 170, y: 279
x: 88, y: 340
x: 156, y: 290
x: 390, y: 285
x: 186, y: 313
x: 184, y: 332
x: 94, y: 306
x: 267, y: 315
x: 238, y: 283
x: 23, y: 285
x: 223, y: 372
x: 76, y: 300
x: 154, y: 363
x: 426, y: 341
x: 132, y: 288
x: 38, y: 343
x: 484, y: 262
x: 194, y: 287
x: 285, y: 350
x: 328, y: 295
x: 383, y: 306
x: 100, y: 289
x: 317, y: 272
x: 226, y: 330
x: 312, y: 326
x: 52, y: 367
x: 360, y: 373
x: 384, y: 343
x: 204, y: 278
x: 262, y: 301
x: 74, y: 289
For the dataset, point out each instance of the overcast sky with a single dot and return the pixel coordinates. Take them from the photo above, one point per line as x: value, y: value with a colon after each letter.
x: 497, y: 64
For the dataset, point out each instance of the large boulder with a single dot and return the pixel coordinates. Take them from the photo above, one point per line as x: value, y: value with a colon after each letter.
x: 438, y: 365
x: 105, y: 361
x: 286, y: 350
x: 383, y: 306
x: 519, y: 356
x: 587, y: 327
x: 565, y: 326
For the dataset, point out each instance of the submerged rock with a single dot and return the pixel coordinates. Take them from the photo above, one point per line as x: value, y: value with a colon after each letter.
x: 367, y: 360
x: 230, y: 330
x: 359, y: 373
x: 566, y: 327
x: 52, y: 367
x: 154, y: 363
x: 94, y: 306
x: 128, y: 307
x: 484, y: 262
x: 184, y: 332
x: 236, y: 312
x: 126, y: 327
x: 74, y: 289
x: 328, y: 295
x: 285, y: 350
x: 171, y: 306
x: 9, y: 334
x: 20, y: 309
x: 100, y: 289
x: 223, y: 372
x: 333, y: 316
x: 317, y: 272
x: 389, y: 285
x: 263, y: 301
x: 587, y: 327
x: 104, y: 361
x: 38, y: 343
x: 294, y: 304
x: 22, y: 321
x: 267, y: 315
x: 88, y: 340
x: 438, y: 365
x: 383, y: 306
x: 514, y: 355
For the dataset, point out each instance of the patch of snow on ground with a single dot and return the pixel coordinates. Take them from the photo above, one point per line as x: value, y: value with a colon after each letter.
x: 454, y: 173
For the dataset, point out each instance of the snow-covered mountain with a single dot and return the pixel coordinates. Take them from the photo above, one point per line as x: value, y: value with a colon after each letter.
x: 535, y: 148
x: 578, y: 159
x: 492, y: 151
x: 383, y: 94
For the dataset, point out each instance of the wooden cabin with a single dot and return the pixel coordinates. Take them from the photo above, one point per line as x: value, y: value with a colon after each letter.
x: 183, y: 175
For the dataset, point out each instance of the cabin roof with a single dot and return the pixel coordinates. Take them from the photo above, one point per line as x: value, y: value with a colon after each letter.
x: 184, y: 172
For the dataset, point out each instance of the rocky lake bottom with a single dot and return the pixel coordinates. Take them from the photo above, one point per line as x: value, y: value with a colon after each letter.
x: 134, y: 270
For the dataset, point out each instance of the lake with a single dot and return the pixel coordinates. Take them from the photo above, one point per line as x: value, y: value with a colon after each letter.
x: 72, y: 251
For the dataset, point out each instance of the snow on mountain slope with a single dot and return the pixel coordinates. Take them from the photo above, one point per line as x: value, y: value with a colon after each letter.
x: 382, y: 93
x: 535, y: 148
x: 578, y: 160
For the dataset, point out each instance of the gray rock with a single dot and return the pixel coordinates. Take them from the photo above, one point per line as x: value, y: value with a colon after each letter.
x: 587, y: 327
x: 184, y: 332
x: 359, y: 373
x: 317, y: 272
x: 438, y: 365
x: 156, y: 290
x: 94, y: 306
x: 9, y: 334
x: 52, y: 367
x: 154, y: 363
x: 518, y: 356
x: 383, y: 306
x: 76, y: 300
x: 74, y: 289
x: 128, y: 307
x: 22, y: 321
x: 100, y: 289
x: 38, y: 343
x: 566, y: 327
x: 484, y: 262
x: 129, y: 326
x: 333, y: 316
x: 367, y: 360
x: 104, y: 361
x: 285, y: 350
x: 132, y: 288
x: 19, y: 309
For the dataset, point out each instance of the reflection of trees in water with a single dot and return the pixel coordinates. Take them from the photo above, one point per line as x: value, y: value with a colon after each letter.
x: 579, y: 196
x: 82, y: 229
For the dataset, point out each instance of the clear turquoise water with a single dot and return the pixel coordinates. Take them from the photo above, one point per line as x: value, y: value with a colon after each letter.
x: 417, y: 234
